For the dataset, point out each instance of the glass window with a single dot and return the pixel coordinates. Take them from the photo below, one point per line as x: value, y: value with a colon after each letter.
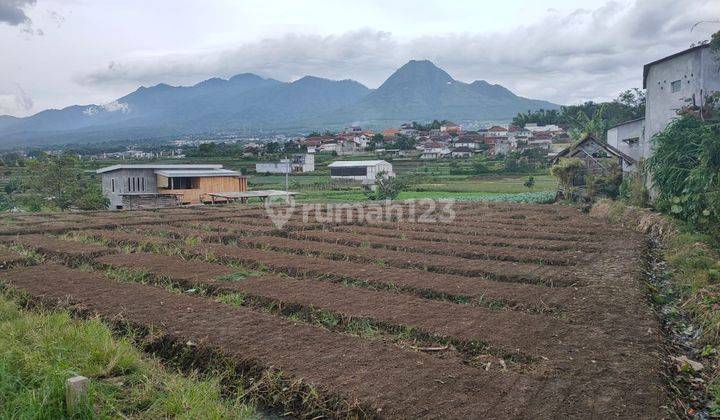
x: 675, y: 86
x: 112, y: 184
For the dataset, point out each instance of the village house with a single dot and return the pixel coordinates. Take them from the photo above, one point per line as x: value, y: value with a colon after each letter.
x: 360, y: 170
x: 501, y: 146
x: 462, y: 152
x: 597, y: 156
x: 151, y: 186
x: 496, y: 131
x: 407, y: 129
x: 390, y: 132
x: 470, y: 140
x: 626, y: 137
x: 549, y: 128
x: 298, y: 163
x: 450, y: 128
x: 435, y: 150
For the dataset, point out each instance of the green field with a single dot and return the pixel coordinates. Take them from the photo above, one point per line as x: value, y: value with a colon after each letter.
x: 320, y: 188
x: 434, y: 179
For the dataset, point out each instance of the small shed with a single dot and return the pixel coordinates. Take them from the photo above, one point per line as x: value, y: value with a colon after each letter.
x: 360, y: 170
x: 596, y: 154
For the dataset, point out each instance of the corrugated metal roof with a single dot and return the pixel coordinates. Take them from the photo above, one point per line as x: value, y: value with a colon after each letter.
x: 354, y: 163
x: 150, y: 166
x: 178, y: 173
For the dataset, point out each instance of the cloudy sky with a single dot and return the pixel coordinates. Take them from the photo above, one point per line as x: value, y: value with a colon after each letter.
x: 55, y: 53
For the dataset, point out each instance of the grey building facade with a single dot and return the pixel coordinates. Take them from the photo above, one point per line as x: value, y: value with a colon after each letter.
x: 671, y: 83
x: 627, y: 138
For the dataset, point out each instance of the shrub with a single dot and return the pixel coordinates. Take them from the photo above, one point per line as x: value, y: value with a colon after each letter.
x: 685, y: 167
x: 565, y: 171
x: 606, y: 184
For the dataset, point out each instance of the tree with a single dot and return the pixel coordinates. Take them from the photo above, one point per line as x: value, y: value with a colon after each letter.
x: 583, y: 125
x: 530, y: 182
x: 60, y: 182
x: 480, y: 168
x: 715, y: 44
x: 634, y: 100
x: 565, y: 171
x: 385, y: 188
x: 539, y: 117
x: 272, y: 147
x: 374, y: 141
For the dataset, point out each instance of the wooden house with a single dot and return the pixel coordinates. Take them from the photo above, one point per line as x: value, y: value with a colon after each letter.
x: 152, y: 186
x: 597, y: 156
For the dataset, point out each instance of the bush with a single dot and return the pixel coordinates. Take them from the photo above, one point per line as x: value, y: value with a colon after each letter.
x: 606, y: 184
x: 685, y: 167
x: 385, y: 188
x: 60, y: 183
x: 633, y: 191
x: 565, y: 171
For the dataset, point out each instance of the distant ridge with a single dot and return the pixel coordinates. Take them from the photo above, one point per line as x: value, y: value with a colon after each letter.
x: 418, y: 90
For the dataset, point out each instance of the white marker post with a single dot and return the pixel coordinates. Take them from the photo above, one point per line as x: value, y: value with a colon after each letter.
x: 76, y: 394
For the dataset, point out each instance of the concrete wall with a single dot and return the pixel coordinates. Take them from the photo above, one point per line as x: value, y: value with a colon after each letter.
x: 630, y: 130
x: 698, y: 74
x: 271, y: 168
x: 121, y: 177
x: 371, y: 173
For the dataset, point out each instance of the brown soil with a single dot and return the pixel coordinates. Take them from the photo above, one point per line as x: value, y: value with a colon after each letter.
x: 527, y: 232
x: 594, y: 344
x: 384, y: 380
x: 9, y: 258
x: 53, y: 246
x: 493, y: 269
x: 191, y: 273
x: 487, y: 240
x: 228, y: 227
x: 116, y: 237
x: 504, y: 253
x: 420, y: 282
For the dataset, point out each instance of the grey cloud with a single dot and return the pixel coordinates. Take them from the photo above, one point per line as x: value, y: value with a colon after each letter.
x: 12, y: 12
x: 586, y: 54
x: 23, y: 100
x: 12, y: 103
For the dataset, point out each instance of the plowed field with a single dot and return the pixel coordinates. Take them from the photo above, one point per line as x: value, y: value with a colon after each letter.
x: 520, y: 311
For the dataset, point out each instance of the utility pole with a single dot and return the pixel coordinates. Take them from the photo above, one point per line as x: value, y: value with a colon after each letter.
x: 287, y: 174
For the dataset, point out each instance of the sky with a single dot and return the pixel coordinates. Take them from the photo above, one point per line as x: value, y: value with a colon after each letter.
x: 57, y: 53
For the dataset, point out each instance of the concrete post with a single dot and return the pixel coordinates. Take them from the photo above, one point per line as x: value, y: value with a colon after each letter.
x: 76, y: 394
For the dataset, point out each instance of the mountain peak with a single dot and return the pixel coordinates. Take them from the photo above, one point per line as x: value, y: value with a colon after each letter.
x: 417, y: 73
x: 245, y: 76
x: 211, y: 82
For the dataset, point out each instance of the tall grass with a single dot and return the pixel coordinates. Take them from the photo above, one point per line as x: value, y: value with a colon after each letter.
x: 39, y: 351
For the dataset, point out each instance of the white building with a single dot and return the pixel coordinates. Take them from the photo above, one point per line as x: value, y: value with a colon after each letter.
x: 435, y: 151
x: 298, y: 163
x: 680, y: 80
x: 360, y: 170
x: 627, y: 138
x: 534, y: 128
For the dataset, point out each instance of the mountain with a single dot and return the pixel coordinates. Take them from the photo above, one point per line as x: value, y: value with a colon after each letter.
x: 420, y: 90
x: 416, y: 91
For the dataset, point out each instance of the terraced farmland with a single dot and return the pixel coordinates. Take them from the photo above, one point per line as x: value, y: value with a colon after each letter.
x: 507, y: 311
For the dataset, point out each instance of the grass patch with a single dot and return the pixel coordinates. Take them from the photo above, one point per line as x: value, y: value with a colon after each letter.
x: 39, y: 351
